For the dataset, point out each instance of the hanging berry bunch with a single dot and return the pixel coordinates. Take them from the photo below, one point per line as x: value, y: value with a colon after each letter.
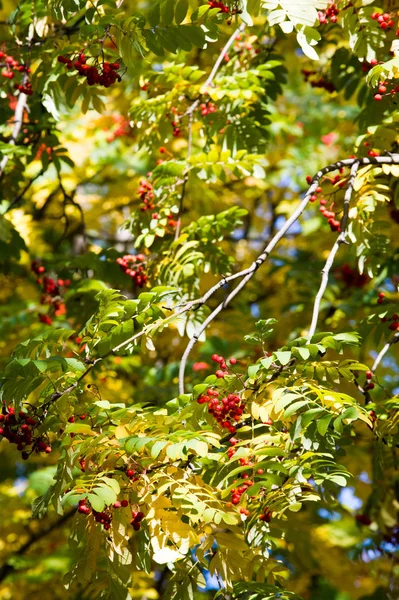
x: 11, y: 67
x: 146, y: 194
x: 20, y: 429
x: 223, y: 7
x: 101, y: 73
x: 134, y: 267
x: 318, y: 81
x: 384, y: 20
x: 330, y: 15
x: 226, y: 410
x: 326, y: 207
x: 52, y: 293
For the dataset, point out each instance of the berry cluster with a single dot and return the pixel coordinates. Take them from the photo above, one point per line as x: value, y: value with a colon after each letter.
x: 385, y: 20
x: 52, y: 291
x: 136, y: 520
x: 226, y: 411
x: 369, y: 385
x: 363, y: 520
x: 238, y: 491
x: 330, y: 14
x: 266, y: 516
x: 123, y: 128
x: 318, y: 81
x: 328, y: 213
x: 367, y: 66
x: 133, y: 266
x: 20, y: 430
x: 12, y: 66
x: 208, y: 108
x: 103, y: 74
x: 44, y: 148
x: 215, y: 4
x: 351, y: 277
x: 146, y: 194
x: 384, y: 91
x: 103, y: 517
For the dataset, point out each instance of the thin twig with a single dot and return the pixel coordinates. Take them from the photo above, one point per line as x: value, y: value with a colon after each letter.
x: 341, y: 239
x: 216, y: 67
x: 394, y: 340
x: 22, y: 193
x: 18, y: 120
x: 186, y: 174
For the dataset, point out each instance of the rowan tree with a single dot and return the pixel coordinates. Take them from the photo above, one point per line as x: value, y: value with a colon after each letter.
x: 199, y: 224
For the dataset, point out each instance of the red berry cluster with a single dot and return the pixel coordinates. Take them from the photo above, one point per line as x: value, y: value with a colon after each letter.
x: 367, y: 66
x: 363, y: 520
x: 103, y: 74
x: 334, y: 224
x: 12, y: 66
x: 44, y: 148
x: 369, y: 385
x: 351, y: 277
x: 146, y: 194
x: 266, y: 516
x: 52, y: 291
x: 384, y: 91
x: 123, y: 129
x: 381, y: 297
x: 215, y: 4
x: 104, y: 517
x: 136, y: 520
x: 238, y: 491
x: 208, y: 108
x: 329, y: 15
x: 385, y: 20
x: 226, y: 411
x: 133, y: 266
x: 318, y: 81
x: 20, y: 429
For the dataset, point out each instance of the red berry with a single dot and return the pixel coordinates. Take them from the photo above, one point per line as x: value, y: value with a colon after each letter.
x: 369, y: 374
x: 71, y: 419
x: 377, y: 97
x: 124, y: 503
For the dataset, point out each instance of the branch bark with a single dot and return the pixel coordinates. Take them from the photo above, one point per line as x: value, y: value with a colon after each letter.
x: 394, y: 340
x: 341, y: 239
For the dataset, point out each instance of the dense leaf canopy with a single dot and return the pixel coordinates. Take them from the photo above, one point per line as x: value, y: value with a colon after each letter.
x: 199, y: 250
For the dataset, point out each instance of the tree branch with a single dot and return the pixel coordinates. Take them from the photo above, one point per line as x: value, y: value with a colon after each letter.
x: 394, y: 340
x: 341, y: 239
x: 7, y: 568
x: 248, y: 273
x: 18, y: 120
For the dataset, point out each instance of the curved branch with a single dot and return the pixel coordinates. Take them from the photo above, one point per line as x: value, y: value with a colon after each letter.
x: 247, y: 273
x: 341, y: 239
x: 394, y: 340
